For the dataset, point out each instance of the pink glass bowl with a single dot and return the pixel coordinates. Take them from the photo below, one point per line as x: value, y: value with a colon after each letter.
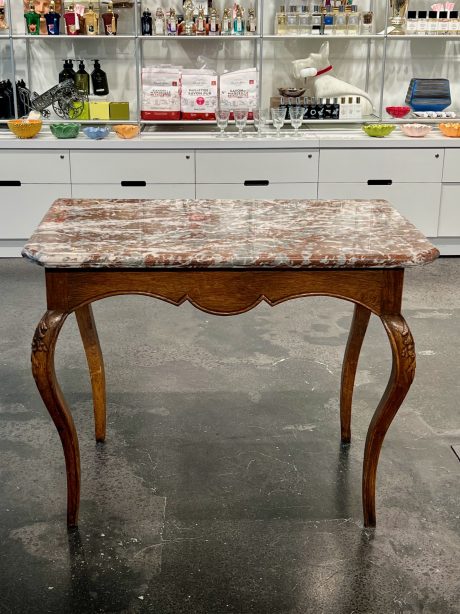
x: 415, y: 130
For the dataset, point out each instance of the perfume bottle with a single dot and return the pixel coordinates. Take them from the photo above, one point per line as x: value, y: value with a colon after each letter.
x: 32, y: 20
x: 72, y: 21
x: 453, y: 23
x: 357, y: 110
x: 189, y: 25
x: 353, y: 21
x: 292, y: 20
x: 52, y: 20
x: 91, y: 21
x: 328, y: 23
x: 238, y: 22
x: 304, y: 21
x: 3, y: 22
x: 110, y: 20
x: 82, y: 79
x: 443, y: 24
x: 172, y: 22
x: 159, y: 23
x: 340, y: 21
x: 226, y: 23
x: 200, y: 23
x: 422, y: 23
x: 251, y: 23
x: 281, y: 21
x: 432, y: 23
x: 213, y: 22
x: 146, y: 23
x: 99, y: 80
x: 316, y: 21
x: 367, y: 23
x: 335, y: 109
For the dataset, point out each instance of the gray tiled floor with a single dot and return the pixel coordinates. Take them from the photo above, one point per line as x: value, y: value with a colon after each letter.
x: 222, y: 486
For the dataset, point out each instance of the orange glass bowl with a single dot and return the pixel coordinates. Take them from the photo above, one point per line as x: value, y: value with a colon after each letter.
x: 126, y: 131
x: 450, y: 129
x: 397, y: 112
x: 25, y: 129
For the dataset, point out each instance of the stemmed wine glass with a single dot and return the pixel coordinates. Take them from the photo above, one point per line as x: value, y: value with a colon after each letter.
x: 296, y: 115
x: 278, y: 118
x: 260, y: 120
x: 241, y: 119
x: 222, y: 116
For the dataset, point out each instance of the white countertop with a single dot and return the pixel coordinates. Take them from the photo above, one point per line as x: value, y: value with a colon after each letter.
x: 320, y: 138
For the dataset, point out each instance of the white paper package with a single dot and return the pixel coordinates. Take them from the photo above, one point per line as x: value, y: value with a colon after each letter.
x: 199, y: 94
x: 239, y: 89
x: 161, y: 87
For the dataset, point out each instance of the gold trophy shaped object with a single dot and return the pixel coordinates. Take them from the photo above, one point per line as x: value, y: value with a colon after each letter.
x: 398, y: 16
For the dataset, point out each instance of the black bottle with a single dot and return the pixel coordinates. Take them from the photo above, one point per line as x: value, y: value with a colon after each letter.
x: 327, y: 112
x: 82, y: 79
x: 66, y: 72
x: 319, y: 109
x: 335, y: 109
x: 99, y: 80
x: 146, y: 23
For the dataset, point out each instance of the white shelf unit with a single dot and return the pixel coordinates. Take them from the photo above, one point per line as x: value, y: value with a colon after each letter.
x: 373, y: 62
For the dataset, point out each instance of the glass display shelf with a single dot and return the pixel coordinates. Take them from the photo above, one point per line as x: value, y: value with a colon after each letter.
x: 322, y: 37
x: 61, y: 37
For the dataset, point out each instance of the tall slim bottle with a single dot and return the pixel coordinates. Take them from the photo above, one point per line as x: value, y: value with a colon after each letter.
x: 146, y: 23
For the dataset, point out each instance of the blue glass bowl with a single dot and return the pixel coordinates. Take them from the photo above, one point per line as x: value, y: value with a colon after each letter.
x: 96, y: 132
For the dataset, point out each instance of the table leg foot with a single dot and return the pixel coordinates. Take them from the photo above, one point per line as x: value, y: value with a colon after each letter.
x: 88, y: 332
x: 402, y: 375
x: 358, y: 329
x: 43, y: 348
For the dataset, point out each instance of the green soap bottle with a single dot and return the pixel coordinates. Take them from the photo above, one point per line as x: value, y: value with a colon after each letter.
x: 32, y: 20
x: 82, y: 79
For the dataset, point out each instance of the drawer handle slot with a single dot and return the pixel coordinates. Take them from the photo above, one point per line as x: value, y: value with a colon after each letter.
x: 133, y: 184
x: 10, y: 184
x: 379, y: 182
x: 256, y: 182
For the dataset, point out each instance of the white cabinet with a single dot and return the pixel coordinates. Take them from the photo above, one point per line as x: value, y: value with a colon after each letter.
x: 262, y: 192
x: 419, y: 203
x: 22, y: 207
x: 39, y: 166
x: 115, y: 167
x: 449, y: 217
x: 240, y: 166
x: 149, y: 190
x: 396, y: 165
x: 452, y: 166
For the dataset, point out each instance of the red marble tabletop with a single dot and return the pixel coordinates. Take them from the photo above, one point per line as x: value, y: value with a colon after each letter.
x: 157, y: 234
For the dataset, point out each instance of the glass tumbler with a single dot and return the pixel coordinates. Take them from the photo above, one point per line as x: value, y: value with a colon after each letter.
x: 261, y: 117
x: 278, y: 118
x: 241, y: 119
x: 222, y: 116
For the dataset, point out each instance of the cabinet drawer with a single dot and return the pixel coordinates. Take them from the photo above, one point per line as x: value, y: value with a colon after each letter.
x: 418, y: 203
x: 38, y: 166
x: 273, y: 190
x: 398, y: 165
x: 96, y: 190
x: 449, y: 216
x: 451, y: 166
x: 148, y: 166
x: 22, y: 208
x: 238, y: 166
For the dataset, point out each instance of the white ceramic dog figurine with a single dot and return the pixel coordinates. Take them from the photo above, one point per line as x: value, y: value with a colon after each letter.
x: 324, y: 85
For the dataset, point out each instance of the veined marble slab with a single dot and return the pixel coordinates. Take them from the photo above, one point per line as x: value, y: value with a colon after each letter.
x: 159, y: 234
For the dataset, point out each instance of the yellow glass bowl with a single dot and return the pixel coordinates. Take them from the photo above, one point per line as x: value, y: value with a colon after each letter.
x: 126, y: 131
x: 378, y: 130
x: 25, y: 129
x: 450, y: 129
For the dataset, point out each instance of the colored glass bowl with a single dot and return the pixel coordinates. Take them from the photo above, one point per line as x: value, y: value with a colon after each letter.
x: 96, y: 132
x: 378, y: 130
x: 126, y: 131
x: 415, y: 130
x: 65, y: 131
x: 450, y: 129
x: 25, y: 128
x: 398, y: 112
x: 291, y: 92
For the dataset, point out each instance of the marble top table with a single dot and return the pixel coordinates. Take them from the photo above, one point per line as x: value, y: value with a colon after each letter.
x: 225, y: 257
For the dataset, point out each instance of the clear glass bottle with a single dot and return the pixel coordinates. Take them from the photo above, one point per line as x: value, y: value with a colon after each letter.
x: 91, y: 21
x: 453, y: 23
x: 367, y: 23
x: 341, y: 22
x: 353, y: 21
x: 432, y: 23
x: 304, y: 21
x: 411, y: 23
x: 443, y: 24
x: 251, y: 22
x: 159, y: 24
x: 281, y: 21
x: 292, y: 20
x: 329, y: 23
x: 146, y: 23
x: 422, y: 23
x: 172, y: 23
x: 226, y: 25
x: 213, y: 23
x: 53, y: 20
x: 238, y: 22
x: 32, y: 20
x: 200, y: 23
x: 189, y: 24
x: 357, y: 110
x: 316, y: 21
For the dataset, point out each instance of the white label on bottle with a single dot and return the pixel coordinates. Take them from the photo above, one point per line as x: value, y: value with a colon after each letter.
x: 432, y: 26
x: 159, y: 27
x: 453, y: 25
x: 422, y: 25
x: 411, y: 26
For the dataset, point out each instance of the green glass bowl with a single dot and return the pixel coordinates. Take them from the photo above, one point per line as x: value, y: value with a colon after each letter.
x: 65, y: 131
x: 379, y: 130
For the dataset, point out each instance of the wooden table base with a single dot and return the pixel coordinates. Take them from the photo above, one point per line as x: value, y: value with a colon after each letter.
x: 224, y: 292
